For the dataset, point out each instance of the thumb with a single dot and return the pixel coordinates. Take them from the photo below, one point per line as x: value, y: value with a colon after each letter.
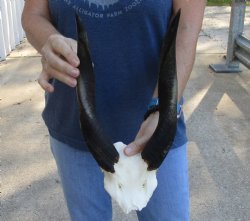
x: 43, y: 80
x: 135, y: 147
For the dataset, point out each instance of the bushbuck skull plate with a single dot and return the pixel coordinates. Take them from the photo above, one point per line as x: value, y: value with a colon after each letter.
x: 130, y: 181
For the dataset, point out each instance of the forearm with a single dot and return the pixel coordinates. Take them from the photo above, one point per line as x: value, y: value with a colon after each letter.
x: 185, y: 56
x: 37, y: 27
x: 192, y: 12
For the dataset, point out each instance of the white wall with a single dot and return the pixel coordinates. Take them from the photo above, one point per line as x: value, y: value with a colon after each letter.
x: 11, y: 32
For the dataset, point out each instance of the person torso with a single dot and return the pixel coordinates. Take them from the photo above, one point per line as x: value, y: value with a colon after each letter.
x: 125, y: 38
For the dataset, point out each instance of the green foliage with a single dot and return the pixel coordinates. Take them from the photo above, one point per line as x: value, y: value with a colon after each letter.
x: 221, y: 2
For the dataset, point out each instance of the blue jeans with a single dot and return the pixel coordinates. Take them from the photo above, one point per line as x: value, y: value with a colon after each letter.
x: 83, y: 187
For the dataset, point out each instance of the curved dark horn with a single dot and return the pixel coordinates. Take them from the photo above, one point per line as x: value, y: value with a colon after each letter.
x: 162, y: 139
x: 98, y: 143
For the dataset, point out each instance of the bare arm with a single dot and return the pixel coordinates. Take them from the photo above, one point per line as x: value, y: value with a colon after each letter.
x: 192, y: 12
x: 59, y: 58
x: 37, y: 23
x: 187, y: 37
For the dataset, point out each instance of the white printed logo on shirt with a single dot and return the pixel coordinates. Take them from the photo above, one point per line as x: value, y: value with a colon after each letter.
x: 101, y: 3
x: 100, y: 9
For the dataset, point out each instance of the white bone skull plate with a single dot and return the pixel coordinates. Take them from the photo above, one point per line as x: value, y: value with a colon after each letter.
x: 132, y: 185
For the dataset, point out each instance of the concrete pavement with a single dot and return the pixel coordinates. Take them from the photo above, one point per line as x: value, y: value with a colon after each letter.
x: 217, y: 112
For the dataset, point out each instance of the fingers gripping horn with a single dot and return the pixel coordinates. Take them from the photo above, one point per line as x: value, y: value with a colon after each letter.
x: 162, y: 139
x: 98, y: 143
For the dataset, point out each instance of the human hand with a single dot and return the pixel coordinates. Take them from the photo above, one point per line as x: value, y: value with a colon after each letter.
x: 146, y: 131
x: 59, y: 61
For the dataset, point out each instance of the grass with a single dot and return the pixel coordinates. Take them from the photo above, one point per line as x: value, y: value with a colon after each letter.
x: 221, y: 2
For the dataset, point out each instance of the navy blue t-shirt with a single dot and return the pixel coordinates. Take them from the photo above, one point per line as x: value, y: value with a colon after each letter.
x: 125, y: 38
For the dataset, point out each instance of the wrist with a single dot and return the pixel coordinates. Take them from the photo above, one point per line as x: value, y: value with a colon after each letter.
x: 153, y: 107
